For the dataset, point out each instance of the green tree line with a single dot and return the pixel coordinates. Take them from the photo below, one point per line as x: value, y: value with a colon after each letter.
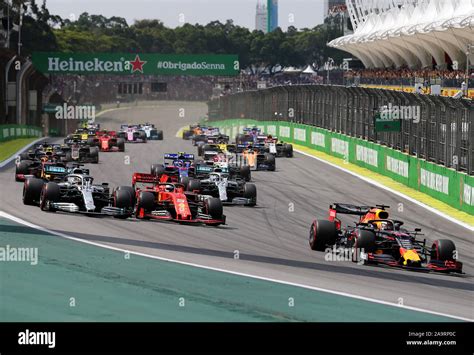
x: 42, y: 31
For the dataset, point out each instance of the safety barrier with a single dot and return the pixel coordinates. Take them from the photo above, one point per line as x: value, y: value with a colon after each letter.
x: 9, y: 132
x: 441, y: 131
x: 447, y: 185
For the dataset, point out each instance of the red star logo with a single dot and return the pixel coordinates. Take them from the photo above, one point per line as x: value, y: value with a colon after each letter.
x: 137, y: 64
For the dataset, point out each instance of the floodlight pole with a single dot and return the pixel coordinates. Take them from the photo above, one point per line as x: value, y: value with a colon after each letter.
x: 470, y: 48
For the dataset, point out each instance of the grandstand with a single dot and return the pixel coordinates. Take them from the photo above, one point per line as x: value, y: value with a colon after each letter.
x: 410, y: 33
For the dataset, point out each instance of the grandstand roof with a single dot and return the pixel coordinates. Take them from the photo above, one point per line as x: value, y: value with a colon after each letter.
x: 409, y: 32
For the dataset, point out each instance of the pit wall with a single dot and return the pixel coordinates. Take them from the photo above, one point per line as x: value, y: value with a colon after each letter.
x: 447, y: 185
x: 14, y: 131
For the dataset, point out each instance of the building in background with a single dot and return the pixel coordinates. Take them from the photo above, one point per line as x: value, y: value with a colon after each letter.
x: 272, y: 15
x: 333, y: 5
x: 261, y: 17
x: 410, y: 33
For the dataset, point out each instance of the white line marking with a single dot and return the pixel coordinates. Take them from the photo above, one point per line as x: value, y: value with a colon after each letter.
x: 63, y: 235
x: 395, y: 192
x: 8, y: 160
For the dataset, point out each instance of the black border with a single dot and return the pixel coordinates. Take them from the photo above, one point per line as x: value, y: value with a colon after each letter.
x: 238, y: 337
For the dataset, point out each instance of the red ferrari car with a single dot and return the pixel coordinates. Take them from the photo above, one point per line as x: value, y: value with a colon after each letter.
x: 171, y: 202
x: 107, y: 141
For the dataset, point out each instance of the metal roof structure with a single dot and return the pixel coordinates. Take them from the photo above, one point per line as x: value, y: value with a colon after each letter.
x: 409, y: 33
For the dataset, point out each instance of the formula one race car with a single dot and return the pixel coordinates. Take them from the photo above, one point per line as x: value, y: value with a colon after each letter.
x: 250, y: 136
x: 81, y: 135
x: 107, y: 141
x: 132, y: 134
x: 182, y: 165
x: 38, y: 151
x: 78, y: 194
x: 217, y: 182
x: 255, y: 157
x: 47, y: 167
x: 151, y: 132
x: 171, y: 202
x: 191, y: 131
x: 212, y: 149
x: 76, y: 151
x: 275, y: 147
x: 231, y: 163
x: 205, y: 133
x: 376, y: 239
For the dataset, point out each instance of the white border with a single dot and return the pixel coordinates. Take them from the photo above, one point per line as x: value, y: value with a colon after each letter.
x: 63, y: 235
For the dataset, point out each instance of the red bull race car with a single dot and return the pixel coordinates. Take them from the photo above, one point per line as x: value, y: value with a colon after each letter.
x: 376, y: 239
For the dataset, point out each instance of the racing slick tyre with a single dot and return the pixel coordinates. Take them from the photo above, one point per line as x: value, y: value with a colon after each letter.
x: 94, y: 154
x: 142, y: 136
x: 245, y: 172
x: 187, y: 135
x: 131, y: 191
x: 49, y: 193
x: 159, y: 135
x: 200, y: 146
x: 288, y: 149
x: 24, y: 156
x: 194, y: 185
x: 364, y: 240
x: 321, y: 234
x: 121, y: 144
x: 214, y: 207
x: 32, y: 191
x: 270, y: 161
x: 122, y: 135
x: 123, y: 199
x: 67, y: 157
x: 443, y: 250
x: 22, y: 168
x: 145, y: 203
x: 157, y: 169
x: 238, y: 138
x: 185, y: 181
x: 91, y: 142
x: 250, y: 191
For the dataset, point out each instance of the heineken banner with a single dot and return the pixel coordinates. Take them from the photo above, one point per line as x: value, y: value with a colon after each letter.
x: 126, y: 63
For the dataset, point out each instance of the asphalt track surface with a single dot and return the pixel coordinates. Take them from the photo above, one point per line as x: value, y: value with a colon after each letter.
x: 271, y: 240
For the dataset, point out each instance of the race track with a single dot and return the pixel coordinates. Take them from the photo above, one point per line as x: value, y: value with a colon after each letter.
x: 271, y: 239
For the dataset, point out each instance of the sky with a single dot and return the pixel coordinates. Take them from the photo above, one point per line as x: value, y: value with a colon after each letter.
x: 298, y: 13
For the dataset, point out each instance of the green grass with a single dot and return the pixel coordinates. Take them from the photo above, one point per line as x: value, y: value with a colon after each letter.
x: 9, y: 148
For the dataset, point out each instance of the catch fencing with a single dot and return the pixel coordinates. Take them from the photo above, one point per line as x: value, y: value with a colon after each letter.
x: 443, y: 134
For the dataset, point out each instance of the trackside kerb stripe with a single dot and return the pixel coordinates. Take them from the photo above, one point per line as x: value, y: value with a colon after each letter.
x: 8, y: 160
x: 63, y: 235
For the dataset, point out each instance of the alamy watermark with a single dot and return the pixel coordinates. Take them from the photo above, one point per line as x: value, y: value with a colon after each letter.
x: 394, y: 112
x: 9, y: 253
x: 345, y: 254
x: 72, y: 112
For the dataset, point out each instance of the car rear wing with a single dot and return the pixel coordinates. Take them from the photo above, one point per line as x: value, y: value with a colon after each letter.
x: 174, y: 156
x: 145, y: 178
x: 245, y: 130
x: 345, y: 208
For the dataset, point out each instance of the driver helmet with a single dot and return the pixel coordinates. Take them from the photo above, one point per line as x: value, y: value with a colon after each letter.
x: 76, y: 180
x: 383, y: 225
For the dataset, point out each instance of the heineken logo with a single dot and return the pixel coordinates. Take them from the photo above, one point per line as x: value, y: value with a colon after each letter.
x: 145, y: 63
x: 56, y: 64
x: 137, y: 64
